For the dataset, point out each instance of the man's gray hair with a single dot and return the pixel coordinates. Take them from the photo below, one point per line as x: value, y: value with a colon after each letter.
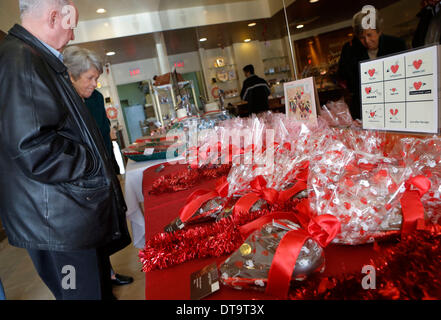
x: 79, y: 60
x: 33, y: 6
x: 357, y: 22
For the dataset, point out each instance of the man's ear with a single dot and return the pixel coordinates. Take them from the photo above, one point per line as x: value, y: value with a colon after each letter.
x: 53, y: 16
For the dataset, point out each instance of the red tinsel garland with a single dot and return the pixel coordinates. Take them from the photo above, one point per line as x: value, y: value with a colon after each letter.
x: 210, y: 240
x: 187, y: 179
x: 406, y: 271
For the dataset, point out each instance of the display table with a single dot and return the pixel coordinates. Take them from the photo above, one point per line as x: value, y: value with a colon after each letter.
x: 174, y: 283
x: 135, y: 198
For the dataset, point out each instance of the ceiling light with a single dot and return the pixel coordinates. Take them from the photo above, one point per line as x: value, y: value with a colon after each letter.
x: 110, y: 53
x: 300, y: 26
x: 252, y: 24
x: 313, y: 1
x: 247, y: 40
x: 203, y: 39
x: 101, y: 10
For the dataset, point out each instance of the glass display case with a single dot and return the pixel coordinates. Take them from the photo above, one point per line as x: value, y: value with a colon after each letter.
x: 172, y: 102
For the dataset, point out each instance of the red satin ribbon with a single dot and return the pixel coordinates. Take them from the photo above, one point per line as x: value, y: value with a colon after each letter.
x: 322, y: 229
x: 199, y: 197
x: 259, y: 191
x: 411, y: 205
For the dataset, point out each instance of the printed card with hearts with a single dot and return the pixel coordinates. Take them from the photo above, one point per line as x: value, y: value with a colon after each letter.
x: 372, y: 72
x: 394, y: 68
x: 408, y: 92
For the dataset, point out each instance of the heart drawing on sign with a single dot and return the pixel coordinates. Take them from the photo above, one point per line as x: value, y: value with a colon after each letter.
x: 368, y: 90
x: 371, y: 72
x: 372, y: 114
x: 395, y: 68
x: 417, y: 63
x: 394, y: 89
x: 393, y: 112
x: 417, y: 85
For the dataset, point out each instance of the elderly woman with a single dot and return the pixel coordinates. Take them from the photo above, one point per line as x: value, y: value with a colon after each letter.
x: 85, y: 67
x: 366, y: 44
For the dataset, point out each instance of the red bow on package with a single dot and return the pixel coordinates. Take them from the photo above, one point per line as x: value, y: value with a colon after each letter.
x: 259, y: 190
x: 411, y: 206
x: 322, y: 229
x: 199, y: 197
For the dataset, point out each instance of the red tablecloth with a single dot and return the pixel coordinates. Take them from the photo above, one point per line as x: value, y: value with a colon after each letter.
x: 174, y: 283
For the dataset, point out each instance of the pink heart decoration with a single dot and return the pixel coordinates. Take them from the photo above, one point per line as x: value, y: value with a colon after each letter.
x: 417, y: 63
x: 368, y: 90
x: 395, y: 68
x: 417, y: 85
x: 372, y: 114
x: 393, y: 112
x: 371, y: 72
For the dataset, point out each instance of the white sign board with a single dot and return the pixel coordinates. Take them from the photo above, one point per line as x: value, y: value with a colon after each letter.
x: 401, y: 92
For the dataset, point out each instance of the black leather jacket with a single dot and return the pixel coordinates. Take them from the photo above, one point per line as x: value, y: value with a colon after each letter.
x: 58, y: 189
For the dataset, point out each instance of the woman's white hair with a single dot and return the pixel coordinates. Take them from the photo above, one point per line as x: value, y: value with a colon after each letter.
x: 35, y: 6
x: 79, y: 60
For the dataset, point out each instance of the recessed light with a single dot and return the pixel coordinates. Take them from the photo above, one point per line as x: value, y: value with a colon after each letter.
x: 110, y: 53
x: 247, y: 40
x: 252, y: 24
x: 313, y: 1
x: 101, y: 10
x: 300, y: 26
x: 203, y: 39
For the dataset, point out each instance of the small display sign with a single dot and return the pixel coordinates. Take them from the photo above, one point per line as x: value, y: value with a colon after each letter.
x: 401, y: 92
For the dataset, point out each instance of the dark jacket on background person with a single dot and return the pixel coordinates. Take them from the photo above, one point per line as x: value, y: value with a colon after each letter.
x: 425, y: 16
x: 59, y: 191
x: 95, y: 104
x: 255, y: 91
x: 348, y: 67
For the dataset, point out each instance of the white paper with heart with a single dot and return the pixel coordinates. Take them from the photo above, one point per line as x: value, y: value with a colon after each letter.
x: 371, y: 71
x: 373, y: 116
x: 421, y: 62
x: 395, y: 115
x: 394, y: 68
x: 420, y: 88
x: 395, y: 91
x: 372, y: 93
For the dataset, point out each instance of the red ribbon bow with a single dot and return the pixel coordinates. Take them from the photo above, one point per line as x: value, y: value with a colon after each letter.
x: 201, y: 196
x: 411, y: 205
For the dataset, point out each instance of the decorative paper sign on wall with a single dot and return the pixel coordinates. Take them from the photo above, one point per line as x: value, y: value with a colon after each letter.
x: 401, y: 92
x: 300, y: 100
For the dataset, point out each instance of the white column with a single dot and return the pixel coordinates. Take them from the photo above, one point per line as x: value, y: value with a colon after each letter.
x: 161, y: 49
x: 116, y: 102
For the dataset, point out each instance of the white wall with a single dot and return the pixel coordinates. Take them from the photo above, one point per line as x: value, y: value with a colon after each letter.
x: 148, y: 69
x: 248, y: 53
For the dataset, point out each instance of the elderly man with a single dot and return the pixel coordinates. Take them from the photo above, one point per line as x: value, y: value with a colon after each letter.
x: 366, y: 44
x: 60, y: 198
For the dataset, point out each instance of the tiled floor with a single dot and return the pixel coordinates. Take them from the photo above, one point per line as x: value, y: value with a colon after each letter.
x: 21, y: 281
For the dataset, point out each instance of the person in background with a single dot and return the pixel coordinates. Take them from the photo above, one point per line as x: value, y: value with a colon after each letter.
x: 63, y: 202
x: 2, y: 291
x: 429, y: 27
x: 85, y: 67
x: 255, y: 91
x: 366, y: 44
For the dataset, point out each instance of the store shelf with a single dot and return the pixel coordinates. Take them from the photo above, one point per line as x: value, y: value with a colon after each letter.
x: 225, y: 66
x: 274, y: 58
x: 279, y: 72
